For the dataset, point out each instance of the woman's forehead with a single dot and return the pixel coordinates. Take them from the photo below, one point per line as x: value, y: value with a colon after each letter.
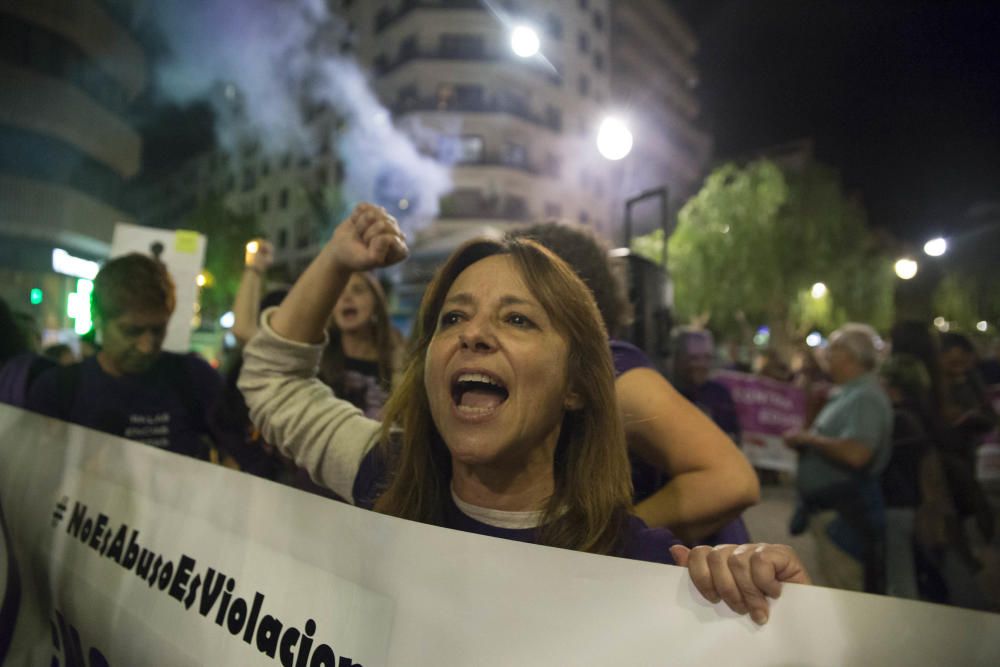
x: 494, y: 277
x: 358, y: 279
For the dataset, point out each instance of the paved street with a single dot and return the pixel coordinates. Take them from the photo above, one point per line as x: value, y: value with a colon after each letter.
x: 768, y: 522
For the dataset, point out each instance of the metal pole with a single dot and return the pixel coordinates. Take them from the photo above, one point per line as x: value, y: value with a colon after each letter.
x: 660, y: 193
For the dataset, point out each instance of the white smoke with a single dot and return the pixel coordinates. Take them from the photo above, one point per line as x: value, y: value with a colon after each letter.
x: 264, y: 64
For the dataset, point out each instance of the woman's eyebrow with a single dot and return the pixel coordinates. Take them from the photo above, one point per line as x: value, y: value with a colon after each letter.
x: 466, y: 299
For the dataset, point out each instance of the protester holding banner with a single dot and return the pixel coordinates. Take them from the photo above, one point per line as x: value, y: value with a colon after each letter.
x: 687, y: 475
x: 495, y: 427
x: 132, y: 388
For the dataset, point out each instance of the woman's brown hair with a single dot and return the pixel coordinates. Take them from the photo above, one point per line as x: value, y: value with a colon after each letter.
x: 592, y: 491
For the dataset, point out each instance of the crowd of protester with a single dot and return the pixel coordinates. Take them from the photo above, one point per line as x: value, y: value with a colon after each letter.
x: 598, y: 451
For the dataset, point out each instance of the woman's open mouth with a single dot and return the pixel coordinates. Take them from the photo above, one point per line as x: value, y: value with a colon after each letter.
x: 477, y: 393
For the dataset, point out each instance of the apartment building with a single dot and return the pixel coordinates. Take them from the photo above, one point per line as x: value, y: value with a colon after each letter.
x: 68, y: 72
x: 653, y: 76
x: 518, y: 133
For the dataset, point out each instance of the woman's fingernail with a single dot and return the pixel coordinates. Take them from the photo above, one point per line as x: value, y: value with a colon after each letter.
x: 759, y: 616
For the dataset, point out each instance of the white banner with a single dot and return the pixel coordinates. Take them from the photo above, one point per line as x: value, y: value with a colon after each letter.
x: 126, y: 555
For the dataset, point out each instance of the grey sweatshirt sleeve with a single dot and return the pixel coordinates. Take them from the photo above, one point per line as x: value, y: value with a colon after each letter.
x: 297, y: 413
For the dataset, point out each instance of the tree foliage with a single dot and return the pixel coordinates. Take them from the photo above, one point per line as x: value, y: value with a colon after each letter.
x: 227, y: 233
x: 755, y: 239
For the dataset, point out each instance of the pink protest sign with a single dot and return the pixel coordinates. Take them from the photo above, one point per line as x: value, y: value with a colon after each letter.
x: 767, y: 410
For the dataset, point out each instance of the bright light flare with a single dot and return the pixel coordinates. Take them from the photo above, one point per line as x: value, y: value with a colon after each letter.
x: 818, y: 291
x: 936, y: 247
x: 227, y: 320
x: 253, y: 247
x: 815, y: 339
x: 201, y: 280
x: 614, y: 140
x: 524, y: 41
x: 905, y: 268
x: 982, y: 325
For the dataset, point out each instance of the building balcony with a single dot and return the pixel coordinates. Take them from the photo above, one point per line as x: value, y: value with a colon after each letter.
x: 410, y: 104
x: 501, y: 162
x: 386, y: 17
x: 87, y: 24
x: 57, y: 215
x: 51, y: 107
x: 503, y: 209
x: 483, y: 57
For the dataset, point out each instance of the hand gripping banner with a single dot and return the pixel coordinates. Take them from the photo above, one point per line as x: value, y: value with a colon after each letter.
x: 118, y: 554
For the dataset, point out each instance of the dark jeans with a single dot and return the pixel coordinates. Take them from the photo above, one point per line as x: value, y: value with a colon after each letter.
x: 859, y: 528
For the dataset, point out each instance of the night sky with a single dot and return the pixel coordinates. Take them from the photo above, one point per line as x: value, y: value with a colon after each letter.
x: 902, y: 97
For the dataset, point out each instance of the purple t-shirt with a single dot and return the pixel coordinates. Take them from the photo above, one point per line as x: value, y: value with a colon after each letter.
x: 170, y: 406
x: 639, y: 542
x: 647, y: 479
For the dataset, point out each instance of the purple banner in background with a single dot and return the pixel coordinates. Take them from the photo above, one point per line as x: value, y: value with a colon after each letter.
x: 767, y: 410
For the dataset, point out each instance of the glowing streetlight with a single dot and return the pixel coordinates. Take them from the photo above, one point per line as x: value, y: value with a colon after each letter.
x: 614, y: 140
x: 524, y: 41
x: 818, y: 290
x: 906, y: 268
x: 936, y: 247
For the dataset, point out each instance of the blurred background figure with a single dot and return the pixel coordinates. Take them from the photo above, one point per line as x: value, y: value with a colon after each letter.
x: 809, y: 376
x: 920, y: 413
x: 969, y: 408
x: 686, y: 474
x: 841, y: 459
x: 908, y: 385
x: 771, y: 363
x: 365, y: 350
x: 61, y: 353
x: 88, y: 344
x: 694, y: 360
x: 258, y: 257
x: 19, y: 365
x: 737, y: 356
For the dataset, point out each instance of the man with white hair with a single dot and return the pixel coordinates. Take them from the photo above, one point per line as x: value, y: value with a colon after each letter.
x: 841, y: 458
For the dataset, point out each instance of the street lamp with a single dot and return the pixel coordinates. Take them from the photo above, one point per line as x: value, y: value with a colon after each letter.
x: 614, y: 140
x: 524, y: 41
x: 936, y: 247
x: 906, y: 268
x: 818, y: 290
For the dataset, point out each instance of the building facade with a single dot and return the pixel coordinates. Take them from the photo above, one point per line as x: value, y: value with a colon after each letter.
x: 518, y: 131
x: 654, y: 78
x: 69, y: 70
x: 519, y: 134
x: 291, y: 194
